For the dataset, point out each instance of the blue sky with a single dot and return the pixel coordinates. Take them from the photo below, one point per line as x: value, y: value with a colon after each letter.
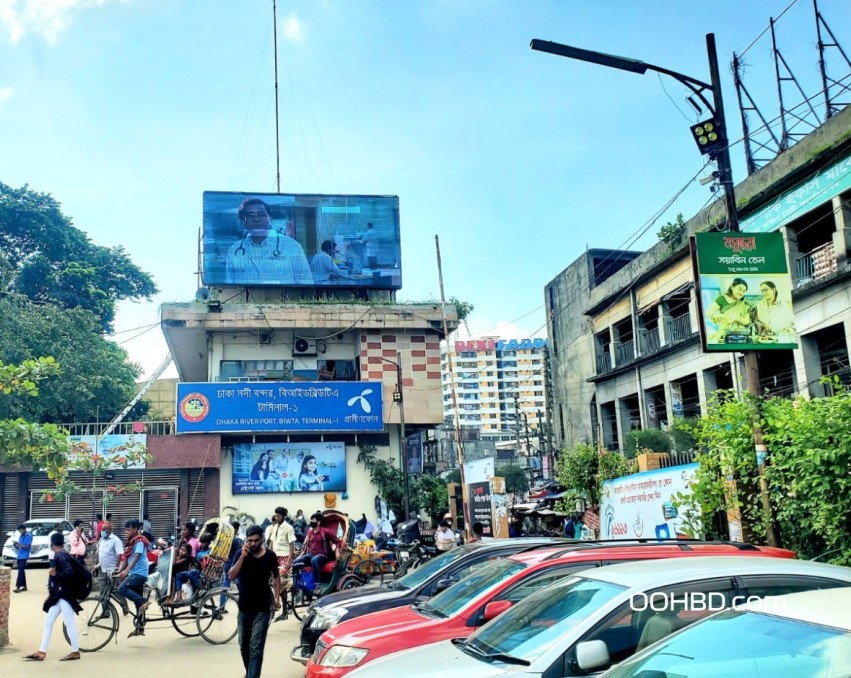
x: 127, y: 110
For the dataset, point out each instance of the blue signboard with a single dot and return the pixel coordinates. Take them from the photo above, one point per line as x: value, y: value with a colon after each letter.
x: 279, y: 406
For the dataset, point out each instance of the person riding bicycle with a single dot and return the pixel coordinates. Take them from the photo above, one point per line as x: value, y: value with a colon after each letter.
x: 321, y: 546
x: 134, y: 568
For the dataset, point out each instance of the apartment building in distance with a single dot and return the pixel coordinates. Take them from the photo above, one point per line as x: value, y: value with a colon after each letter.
x: 496, y: 381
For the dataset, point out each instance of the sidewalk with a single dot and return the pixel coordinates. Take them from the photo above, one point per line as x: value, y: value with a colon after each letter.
x: 162, y: 648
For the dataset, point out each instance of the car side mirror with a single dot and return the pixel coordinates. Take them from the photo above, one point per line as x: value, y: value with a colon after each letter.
x: 444, y: 584
x: 495, y: 608
x: 592, y: 654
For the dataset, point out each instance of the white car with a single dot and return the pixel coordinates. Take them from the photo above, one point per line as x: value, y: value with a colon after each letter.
x: 801, y: 635
x: 40, y: 529
x: 587, y: 623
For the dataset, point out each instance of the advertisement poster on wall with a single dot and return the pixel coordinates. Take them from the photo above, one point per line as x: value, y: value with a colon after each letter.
x: 643, y: 505
x: 481, y: 506
x: 414, y: 452
x: 115, y: 451
x: 478, y: 470
x: 744, y: 292
x: 289, y: 467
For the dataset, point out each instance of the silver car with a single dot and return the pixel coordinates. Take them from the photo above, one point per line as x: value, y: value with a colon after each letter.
x: 40, y: 551
x: 588, y: 623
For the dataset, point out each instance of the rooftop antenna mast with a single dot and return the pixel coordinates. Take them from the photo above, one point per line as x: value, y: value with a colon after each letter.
x: 833, y: 88
x: 277, y: 118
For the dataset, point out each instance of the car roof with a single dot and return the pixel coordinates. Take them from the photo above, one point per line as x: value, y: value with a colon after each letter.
x: 827, y: 607
x: 617, y: 549
x: 644, y: 574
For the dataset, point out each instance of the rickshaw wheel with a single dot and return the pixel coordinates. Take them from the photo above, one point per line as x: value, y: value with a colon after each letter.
x: 217, y: 622
x: 369, y: 572
x: 184, y: 622
x: 350, y: 581
x: 97, y: 624
x: 298, y: 603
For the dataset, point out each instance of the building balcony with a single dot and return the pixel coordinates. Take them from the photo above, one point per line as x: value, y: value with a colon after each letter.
x: 679, y: 329
x: 816, y: 264
x: 649, y: 341
x: 604, y: 363
x: 624, y: 352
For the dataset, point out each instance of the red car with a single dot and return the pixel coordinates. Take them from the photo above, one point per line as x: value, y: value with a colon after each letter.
x: 484, y: 594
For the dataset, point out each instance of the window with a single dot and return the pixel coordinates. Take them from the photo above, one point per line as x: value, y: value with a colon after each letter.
x: 535, y: 583
x: 630, y: 628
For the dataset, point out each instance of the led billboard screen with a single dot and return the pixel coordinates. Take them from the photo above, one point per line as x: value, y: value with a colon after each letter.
x: 286, y: 240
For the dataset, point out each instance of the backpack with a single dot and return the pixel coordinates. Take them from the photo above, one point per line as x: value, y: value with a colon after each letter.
x: 81, y: 587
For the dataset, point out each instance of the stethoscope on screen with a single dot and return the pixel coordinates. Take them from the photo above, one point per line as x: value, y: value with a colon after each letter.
x: 240, y: 255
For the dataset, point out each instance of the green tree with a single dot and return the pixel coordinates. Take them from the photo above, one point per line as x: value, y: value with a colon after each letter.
x: 454, y: 476
x: 96, y: 379
x: 516, y: 481
x: 429, y: 494
x: 650, y: 439
x: 46, y: 258
x: 583, y: 469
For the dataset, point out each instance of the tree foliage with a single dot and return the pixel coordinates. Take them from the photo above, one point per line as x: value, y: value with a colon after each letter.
x: 516, y: 481
x: 96, y: 379
x: 809, y: 444
x: 46, y: 258
x: 583, y: 469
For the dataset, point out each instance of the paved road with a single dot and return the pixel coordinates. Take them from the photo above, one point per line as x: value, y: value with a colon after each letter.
x: 161, y: 647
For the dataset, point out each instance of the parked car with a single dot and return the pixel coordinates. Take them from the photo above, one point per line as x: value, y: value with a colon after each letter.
x: 800, y: 635
x: 418, y: 585
x: 586, y: 623
x: 40, y: 551
x: 484, y: 594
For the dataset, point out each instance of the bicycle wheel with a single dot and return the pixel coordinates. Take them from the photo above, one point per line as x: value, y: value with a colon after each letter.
x: 216, y: 618
x: 298, y: 603
x: 369, y: 572
x: 96, y: 625
x: 183, y: 621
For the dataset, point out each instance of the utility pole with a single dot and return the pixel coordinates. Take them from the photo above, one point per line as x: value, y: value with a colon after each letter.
x: 403, y: 444
x: 751, y: 362
x: 725, y: 175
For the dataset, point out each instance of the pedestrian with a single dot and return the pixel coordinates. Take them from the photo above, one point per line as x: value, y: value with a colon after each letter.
x: 97, y: 526
x: 570, y: 527
x: 256, y: 571
x: 300, y: 525
x: 79, y: 542
x: 578, y: 524
x: 110, y: 550
x: 444, y: 537
x: 134, y: 570
x: 61, y: 587
x: 478, y: 531
x: 23, y: 544
x: 280, y: 537
x: 146, y: 523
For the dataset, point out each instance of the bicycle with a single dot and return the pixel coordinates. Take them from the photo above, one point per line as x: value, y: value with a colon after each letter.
x: 411, y: 556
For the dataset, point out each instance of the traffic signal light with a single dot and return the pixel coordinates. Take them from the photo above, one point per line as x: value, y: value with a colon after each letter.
x: 709, y: 136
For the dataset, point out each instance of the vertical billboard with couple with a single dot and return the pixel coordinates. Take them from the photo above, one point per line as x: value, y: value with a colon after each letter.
x: 289, y: 467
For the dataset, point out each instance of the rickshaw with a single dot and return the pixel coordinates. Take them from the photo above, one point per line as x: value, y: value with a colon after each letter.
x: 335, y: 575
x: 211, y: 612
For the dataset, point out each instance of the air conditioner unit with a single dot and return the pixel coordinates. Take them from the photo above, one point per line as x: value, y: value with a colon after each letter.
x: 304, y: 347
x: 243, y: 378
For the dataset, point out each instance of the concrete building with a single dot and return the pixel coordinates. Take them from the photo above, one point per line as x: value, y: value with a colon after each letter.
x: 495, y: 380
x: 625, y: 348
x: 263, y: 339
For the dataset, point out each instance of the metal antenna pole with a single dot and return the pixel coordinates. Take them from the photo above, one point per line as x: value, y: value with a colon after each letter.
x: 277, y: 118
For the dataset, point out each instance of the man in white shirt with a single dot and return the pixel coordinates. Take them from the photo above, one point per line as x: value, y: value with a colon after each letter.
x: 370, y: 246
x: 322, y: 265
x: 110, y: 549
x: 280, y: 538
x: 263, y: 255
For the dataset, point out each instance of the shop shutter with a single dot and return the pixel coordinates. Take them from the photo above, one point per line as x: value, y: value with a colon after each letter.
x: 80, y: 506
x: 9, y: 510
x: 160, y: 503
x: 196, y: 495
x: 50, y: 508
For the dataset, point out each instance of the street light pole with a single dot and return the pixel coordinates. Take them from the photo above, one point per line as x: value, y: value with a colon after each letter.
x: 399, y: 398
x: 725, y: 175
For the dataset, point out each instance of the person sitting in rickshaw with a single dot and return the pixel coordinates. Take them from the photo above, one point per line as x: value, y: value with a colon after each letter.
x: 321, y: 546
x: 193, y: 574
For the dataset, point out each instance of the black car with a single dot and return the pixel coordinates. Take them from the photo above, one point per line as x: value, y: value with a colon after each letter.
x: 428, y: 579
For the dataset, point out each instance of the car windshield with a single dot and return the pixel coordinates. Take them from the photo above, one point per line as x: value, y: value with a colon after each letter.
x: 40, y: 529
x: 746, y: 645
x: 427, y: 570
x: 451, y: 601
x: 529, y: 628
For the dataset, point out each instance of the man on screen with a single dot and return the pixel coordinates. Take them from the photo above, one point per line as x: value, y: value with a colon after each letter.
x: 322, y: 265
x: 264, y: 255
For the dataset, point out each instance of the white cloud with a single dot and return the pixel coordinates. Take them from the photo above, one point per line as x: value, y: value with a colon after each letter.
x: 294, y: 29
x: 6, y: 93
x: 45, y: 18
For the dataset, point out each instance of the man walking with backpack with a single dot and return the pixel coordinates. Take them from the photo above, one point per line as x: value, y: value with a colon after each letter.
x: 69, y: 582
